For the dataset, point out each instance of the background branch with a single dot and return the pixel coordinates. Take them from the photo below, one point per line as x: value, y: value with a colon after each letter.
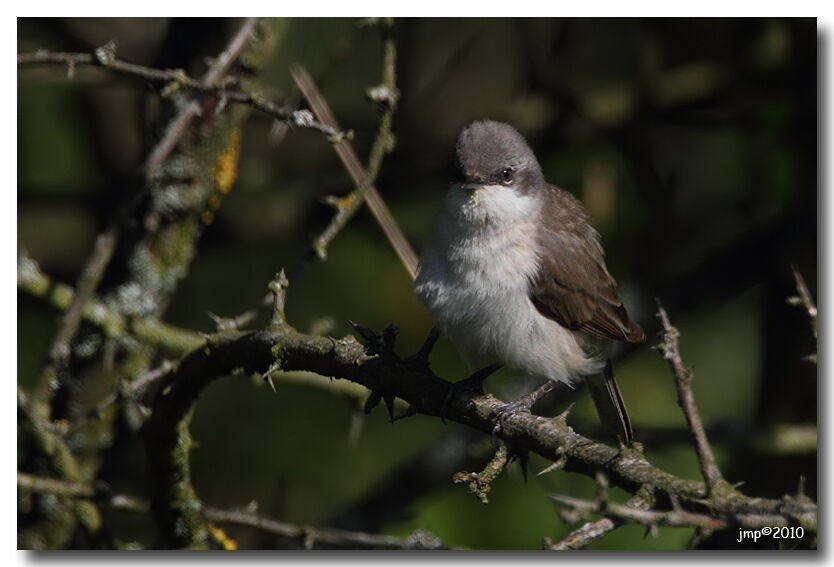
x: 686, y: 400
x: 113, y: 324
x: 591, y: 531
x: 177, y: 79
x: 386, y: 94
x: 311, y: 536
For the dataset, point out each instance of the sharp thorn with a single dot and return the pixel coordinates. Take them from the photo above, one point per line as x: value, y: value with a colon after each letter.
x: 407, y: 412
x: 555, y: 465
x: 522, y: 460
x: 564, y: 414
x: 389, y: 404
x: 372, y: 401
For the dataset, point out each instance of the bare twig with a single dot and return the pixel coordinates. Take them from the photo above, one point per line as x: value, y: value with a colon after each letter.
x: 386, y: 93
x: 88, y: 282
x: 594, y: 530
x: 481, y: 483
x: 686, y: 399
x: 67, y: 489
x: 677, y: 517
x: 54, y: 486
x: 805, y: 300
x: 311, y: 536
x: 105, y: 58
x: 130, y: 389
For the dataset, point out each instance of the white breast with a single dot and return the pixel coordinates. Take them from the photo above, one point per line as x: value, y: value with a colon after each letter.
x: 475, y: 277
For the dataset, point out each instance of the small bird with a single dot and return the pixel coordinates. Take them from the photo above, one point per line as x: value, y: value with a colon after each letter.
x: 514, y: 274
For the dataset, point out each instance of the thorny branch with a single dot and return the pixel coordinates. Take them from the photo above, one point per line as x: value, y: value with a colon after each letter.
x: 377, y: 367
x: 177, y: 79
x: 668, y: 347
x: 677, y: 517
x: 594, y: 530
x: 382, y: 371
x: 310, y: 536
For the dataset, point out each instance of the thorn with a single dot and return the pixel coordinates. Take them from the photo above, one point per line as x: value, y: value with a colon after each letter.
x: 564, y: 414
x: 800, y: 490
x: 389, y: 403
x: 522, y: 460
x: 560, y: 499
x: 407, y: 412
x: 555, y: 465
x: 372, y: 401
x: 364, y: 331
x: 276, y: 367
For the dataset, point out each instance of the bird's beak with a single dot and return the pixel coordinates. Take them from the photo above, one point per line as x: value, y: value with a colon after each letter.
x: 471, y: 187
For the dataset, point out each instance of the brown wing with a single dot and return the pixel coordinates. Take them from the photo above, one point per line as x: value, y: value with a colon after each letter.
x: 573, y: 286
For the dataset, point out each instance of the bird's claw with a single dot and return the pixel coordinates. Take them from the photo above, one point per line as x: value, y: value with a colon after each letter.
x: 501, y: 412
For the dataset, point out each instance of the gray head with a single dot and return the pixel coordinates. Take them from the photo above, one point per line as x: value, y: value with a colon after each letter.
x: 494, y: 153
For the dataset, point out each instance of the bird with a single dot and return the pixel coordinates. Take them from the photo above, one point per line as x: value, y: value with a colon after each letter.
x: 514, y: 273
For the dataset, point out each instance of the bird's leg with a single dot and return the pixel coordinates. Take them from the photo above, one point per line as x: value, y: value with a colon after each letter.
x: 474, y: 383
x: 524, y: 404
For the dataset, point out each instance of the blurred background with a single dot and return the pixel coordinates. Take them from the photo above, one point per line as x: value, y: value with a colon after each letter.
x: 692, y: 143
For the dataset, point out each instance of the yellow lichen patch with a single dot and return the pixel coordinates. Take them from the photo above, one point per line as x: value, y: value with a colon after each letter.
x: 220, y: 536
x: 225, y: 173
x: 225, y: 169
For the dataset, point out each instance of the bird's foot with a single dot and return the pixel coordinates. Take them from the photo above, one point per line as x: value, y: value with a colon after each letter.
x: 474, y: 383
x: 522, y: 405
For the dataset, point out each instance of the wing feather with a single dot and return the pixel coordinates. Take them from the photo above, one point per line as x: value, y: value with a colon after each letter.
x: 573, y: 286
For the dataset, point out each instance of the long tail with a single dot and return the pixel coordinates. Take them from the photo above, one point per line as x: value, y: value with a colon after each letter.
x: 609, y: 403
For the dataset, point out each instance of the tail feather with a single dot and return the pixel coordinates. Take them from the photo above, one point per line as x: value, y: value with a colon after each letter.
x: 609, y: 404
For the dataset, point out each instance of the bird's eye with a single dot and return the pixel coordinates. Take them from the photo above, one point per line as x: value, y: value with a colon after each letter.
x: 507, y: 175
